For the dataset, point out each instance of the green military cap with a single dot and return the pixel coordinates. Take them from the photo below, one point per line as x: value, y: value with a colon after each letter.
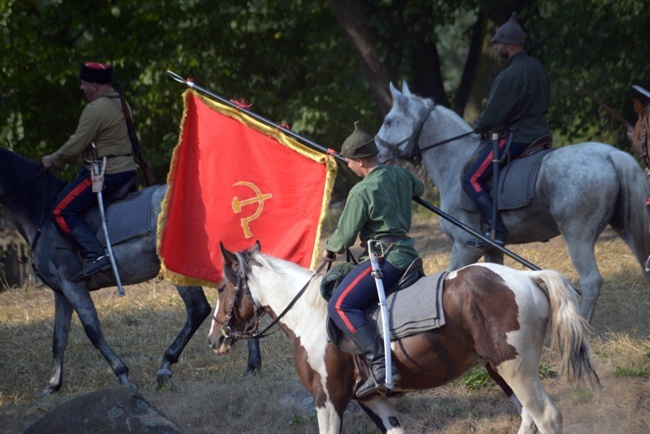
x: 359, y: 144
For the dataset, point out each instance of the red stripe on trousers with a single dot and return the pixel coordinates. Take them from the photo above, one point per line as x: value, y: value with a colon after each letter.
x: 72, y: 195
x: 481, y: 170
x: 342, y: 297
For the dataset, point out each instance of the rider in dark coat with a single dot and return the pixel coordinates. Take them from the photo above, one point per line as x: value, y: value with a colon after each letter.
x: 517, y: 105
x: 102, y: 123
x: 377, y: 208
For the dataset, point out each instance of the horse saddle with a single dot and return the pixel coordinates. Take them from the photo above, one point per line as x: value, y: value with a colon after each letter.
x: 415, y: 307
x: 516, y: 181
x: 128, y: 216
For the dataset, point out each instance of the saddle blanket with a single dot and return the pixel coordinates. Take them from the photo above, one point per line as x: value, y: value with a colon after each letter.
x: 126, y: 218
x: 414, y: 309
x: 516, y: 183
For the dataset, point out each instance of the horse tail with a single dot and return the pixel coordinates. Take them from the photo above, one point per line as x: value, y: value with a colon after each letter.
x: 631, y: 221
x: 570, y: 330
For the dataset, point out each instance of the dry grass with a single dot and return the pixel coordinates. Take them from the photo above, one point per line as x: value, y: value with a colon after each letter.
x: 208, y: 393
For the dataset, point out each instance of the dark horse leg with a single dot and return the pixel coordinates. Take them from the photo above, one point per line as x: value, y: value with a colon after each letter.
x: 62, y: 319
x: 198, y: 309
x: 78, y: 297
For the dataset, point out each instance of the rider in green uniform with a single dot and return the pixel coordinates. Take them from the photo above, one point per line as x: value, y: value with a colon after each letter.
x: 377, y: 208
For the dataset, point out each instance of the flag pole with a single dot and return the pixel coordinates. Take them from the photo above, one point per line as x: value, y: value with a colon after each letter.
x: 192, y: 85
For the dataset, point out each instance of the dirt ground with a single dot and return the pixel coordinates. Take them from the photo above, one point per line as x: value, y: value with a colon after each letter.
x: 209, y: 395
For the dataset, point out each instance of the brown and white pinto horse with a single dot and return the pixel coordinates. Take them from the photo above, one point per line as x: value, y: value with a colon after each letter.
x: 495, y: 316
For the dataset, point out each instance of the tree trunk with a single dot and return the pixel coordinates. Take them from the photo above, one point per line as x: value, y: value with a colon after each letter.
x: 349, y: 14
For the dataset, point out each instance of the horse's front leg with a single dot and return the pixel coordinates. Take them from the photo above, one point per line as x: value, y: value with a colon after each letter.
x: 79, y: 297
x: 462, y: 254
x: 197, y: 309
x: 62, y: 319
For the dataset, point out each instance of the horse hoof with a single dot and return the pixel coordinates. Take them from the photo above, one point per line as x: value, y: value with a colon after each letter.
x: 163, y: 377
x: 251, y: 371
x: 49, y: 390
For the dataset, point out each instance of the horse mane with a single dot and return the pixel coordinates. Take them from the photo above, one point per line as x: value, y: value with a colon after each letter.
x: 30, y: 187
x: 454, y: 118
x: 290, y: 270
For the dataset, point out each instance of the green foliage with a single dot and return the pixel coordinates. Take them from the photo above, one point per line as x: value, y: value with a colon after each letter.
x: 476, y: 379
x: 286, y: 57
x: 602, y: 46
x: 292, y: 61
x: 633, y: 371
x: 546, y: 371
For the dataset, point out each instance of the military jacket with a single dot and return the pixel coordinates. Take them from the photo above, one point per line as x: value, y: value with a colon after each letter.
x: 101, y: 122
x: 380, y: 205
x: 522, y: 90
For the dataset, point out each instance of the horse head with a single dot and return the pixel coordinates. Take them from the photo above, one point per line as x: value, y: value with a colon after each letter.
x: 399, y: 133
x: 27, y: 190
x: 236, y: 310
x: 641, y: 140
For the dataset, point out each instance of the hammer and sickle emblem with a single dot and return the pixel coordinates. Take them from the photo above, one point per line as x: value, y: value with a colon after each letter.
x: 259, y: 198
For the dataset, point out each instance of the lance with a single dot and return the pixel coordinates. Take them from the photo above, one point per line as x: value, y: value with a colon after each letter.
x: 608, y: 109
x: 135, y: 143
x: 190, y: 83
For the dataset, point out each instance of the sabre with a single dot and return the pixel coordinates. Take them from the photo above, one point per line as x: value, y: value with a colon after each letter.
x: 97, y: 186
x: 377, y: 274
x: 495, y: 182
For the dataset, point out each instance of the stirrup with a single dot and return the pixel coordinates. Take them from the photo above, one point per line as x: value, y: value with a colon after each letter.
x: 480, y: 244
x: 91, y: 268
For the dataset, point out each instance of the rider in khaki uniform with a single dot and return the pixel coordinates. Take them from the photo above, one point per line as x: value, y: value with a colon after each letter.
x: 377, y: 208
x: 102, y: 123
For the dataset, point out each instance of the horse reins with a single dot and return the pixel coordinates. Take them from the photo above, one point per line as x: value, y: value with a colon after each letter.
x: 412, y: 152
x: 252, y: 333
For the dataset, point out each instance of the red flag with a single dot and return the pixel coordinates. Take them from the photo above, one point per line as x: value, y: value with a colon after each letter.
x: 237, y: 180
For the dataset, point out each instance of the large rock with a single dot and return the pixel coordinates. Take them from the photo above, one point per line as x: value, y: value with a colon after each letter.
x: 114, y: 410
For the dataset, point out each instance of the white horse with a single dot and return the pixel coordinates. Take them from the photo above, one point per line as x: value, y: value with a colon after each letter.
x: 580, y: 190
x: 495, y: 316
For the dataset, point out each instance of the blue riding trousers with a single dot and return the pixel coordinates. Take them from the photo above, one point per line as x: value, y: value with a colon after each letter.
x: 475, y: 178
x: 78, y: 196
x: 356, y: 291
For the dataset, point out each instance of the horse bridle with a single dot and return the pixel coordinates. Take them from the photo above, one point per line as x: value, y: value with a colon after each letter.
x: 412, y: 152
x: 642, y: 140
x: 251, y: 329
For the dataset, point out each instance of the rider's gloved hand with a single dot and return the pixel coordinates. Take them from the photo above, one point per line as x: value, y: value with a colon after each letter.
x: 329, y: 256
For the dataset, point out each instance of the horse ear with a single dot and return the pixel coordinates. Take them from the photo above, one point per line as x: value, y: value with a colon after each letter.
x: 393, y: 90
x: 228, y: 256
x: 638, y: 107
x: 405, y: 89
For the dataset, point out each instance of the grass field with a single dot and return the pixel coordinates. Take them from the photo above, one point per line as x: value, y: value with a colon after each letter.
x: 209, y: 395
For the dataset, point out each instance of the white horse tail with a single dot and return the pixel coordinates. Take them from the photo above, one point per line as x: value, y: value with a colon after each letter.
x: 631, y: 220
x: 570, y: 331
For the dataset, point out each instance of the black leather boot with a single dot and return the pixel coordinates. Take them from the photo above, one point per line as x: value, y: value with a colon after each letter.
x: 372, y: 347
x: 92, y: 252
x: 484, y: 205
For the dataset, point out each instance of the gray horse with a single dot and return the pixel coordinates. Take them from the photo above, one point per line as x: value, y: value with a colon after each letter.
x: 580, y: 190
x: 27, y: 193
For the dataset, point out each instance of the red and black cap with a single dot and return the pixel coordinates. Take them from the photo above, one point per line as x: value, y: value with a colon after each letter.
x: 93, y: 72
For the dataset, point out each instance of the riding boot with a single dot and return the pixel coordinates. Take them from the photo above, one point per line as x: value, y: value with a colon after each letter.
x: 372, y: 347
x: 484, y: 205
x: 91, y: 250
